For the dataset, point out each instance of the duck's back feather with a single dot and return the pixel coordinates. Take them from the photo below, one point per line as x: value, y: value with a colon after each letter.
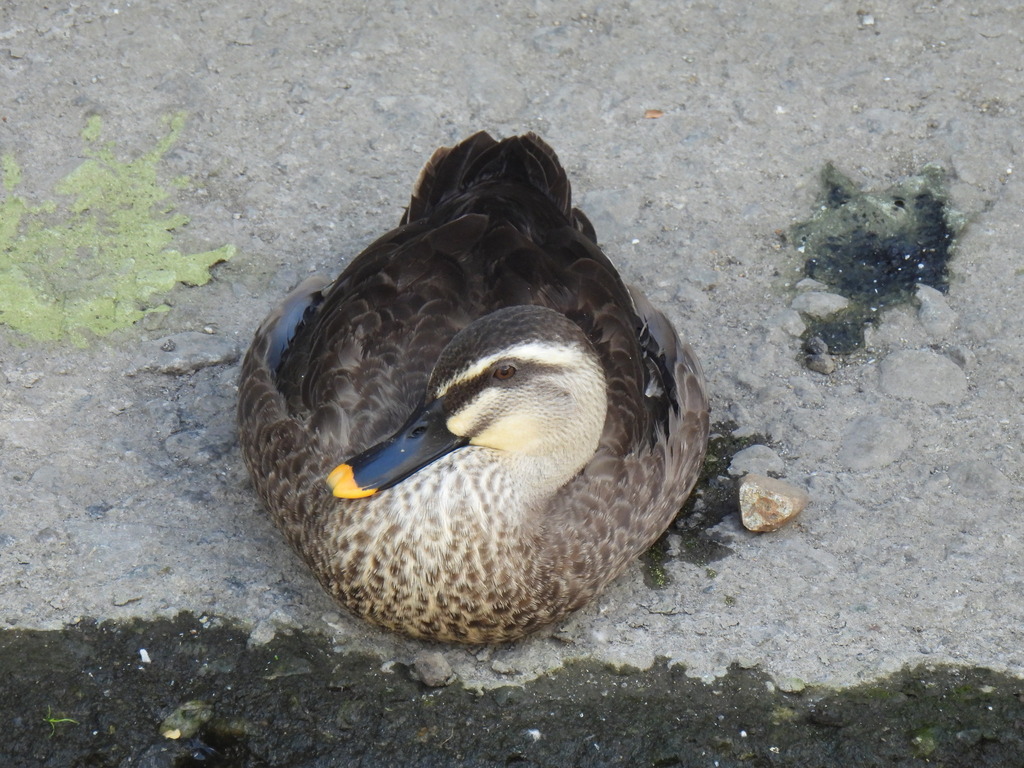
x: 490, y: 225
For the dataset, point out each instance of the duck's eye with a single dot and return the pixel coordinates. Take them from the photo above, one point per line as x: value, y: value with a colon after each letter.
x: 503, y: 372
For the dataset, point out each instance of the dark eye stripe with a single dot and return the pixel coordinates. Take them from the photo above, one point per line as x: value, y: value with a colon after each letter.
x: 464, y: 391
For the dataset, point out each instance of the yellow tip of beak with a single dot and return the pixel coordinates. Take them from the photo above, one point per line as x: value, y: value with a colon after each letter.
x: 343, y: 484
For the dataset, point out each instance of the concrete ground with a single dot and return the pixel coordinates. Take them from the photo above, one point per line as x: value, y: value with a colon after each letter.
x: 304, y: 125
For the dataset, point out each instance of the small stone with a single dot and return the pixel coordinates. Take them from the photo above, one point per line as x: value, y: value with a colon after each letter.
x: 767, y: 504
x: 817, y: 357
x: 934, y: 314
x: 806, y: 391
x: 963, y: 357
x: 979, y: 479
x: 873, y: 441
x: 50, y: 477
x: 759, y: 459
x: 503, y: 667
x: 432, y: 669
x: 923, y: 375
x: 816, y: 346
x: 789, y: 322
x: 819, y: 304
x: 334, y: 620
x: 46, y: 535
x: 810, y: 284
x: 674, y: 545
x: 825, y: 364
x: 791, y: 685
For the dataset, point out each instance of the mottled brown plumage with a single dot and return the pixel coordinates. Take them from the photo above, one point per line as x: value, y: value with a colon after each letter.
x: 472, y: 547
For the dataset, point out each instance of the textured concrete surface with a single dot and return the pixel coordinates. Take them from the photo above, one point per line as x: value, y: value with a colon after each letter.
x: 121, y: 490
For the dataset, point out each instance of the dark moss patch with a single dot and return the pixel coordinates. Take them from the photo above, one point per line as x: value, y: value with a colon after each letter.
x: 715, y: 496
x: 653, y: 560
x: 875, y: 248
x: 297, y: 702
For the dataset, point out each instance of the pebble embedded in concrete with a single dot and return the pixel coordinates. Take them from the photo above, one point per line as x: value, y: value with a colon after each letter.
x: 432, y: 669
x: 934, y: 314
x: 923, y: 375
x: 817, y: 357
x: 978, y: 479
x: 824, y: 364
x: 820, y: 304
x: 757, y: 459
x: 50, y: 477
x: 767, y: 504
x: 810, y: 284
x: 873, y: 441
x: 789, y: 322
x: 791, y: 685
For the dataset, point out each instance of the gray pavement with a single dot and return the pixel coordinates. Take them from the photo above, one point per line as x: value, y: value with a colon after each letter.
x: 122, y: 493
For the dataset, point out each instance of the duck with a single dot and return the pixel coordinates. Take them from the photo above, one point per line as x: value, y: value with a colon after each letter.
x: 477, y: 425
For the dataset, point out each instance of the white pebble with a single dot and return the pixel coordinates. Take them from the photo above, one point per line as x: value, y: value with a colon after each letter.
x: 767, y: 504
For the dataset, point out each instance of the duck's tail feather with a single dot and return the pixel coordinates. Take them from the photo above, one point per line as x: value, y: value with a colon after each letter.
x: 479, y: 159
x: 280, y: 327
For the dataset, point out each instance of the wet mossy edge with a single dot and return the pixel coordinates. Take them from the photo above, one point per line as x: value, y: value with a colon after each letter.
x: 875, y: 247
x: 86, y: 696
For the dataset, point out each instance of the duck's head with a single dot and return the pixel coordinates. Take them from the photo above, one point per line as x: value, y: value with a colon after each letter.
x: 523, y: 381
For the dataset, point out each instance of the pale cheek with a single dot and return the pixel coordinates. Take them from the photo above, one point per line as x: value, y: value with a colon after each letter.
x: 463, y: 422
x: 459, y: 425
x: 519, y: 434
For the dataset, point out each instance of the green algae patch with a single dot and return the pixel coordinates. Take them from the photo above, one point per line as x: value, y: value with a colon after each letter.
x: 11, y: 172
x: 96, y: 259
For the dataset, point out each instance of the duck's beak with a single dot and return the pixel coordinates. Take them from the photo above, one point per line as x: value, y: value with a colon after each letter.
x: 423, y: 439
